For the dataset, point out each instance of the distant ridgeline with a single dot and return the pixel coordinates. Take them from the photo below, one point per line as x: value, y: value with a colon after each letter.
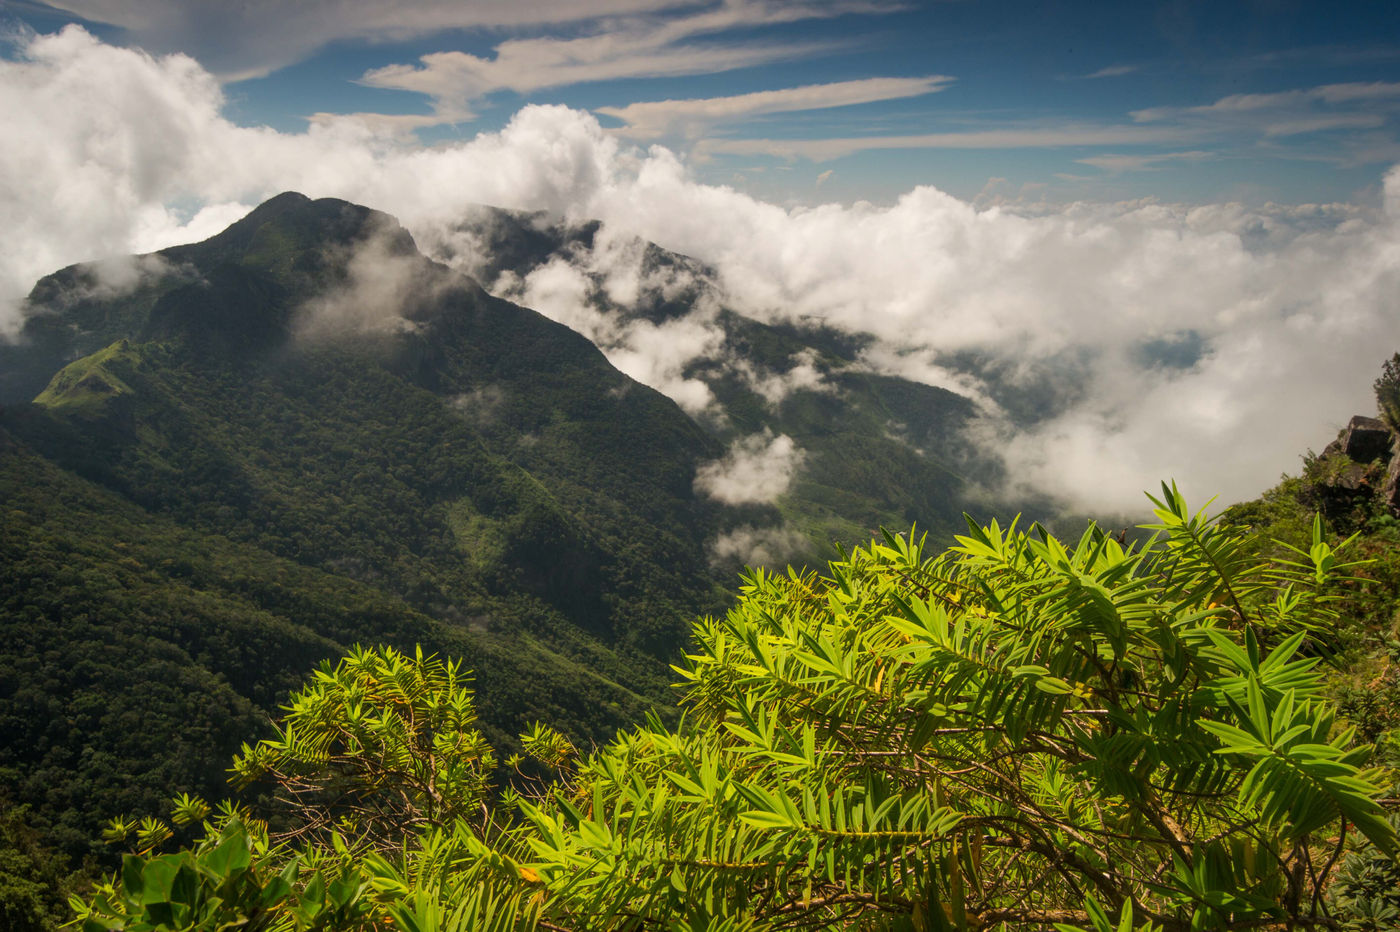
x: 223, y: 462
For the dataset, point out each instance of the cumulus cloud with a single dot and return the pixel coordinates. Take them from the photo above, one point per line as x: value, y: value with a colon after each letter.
x: 757, y: 468
x: 1209, y: 343
x: 596, y: 291
x: 802, y: 375
x: 756, y: 546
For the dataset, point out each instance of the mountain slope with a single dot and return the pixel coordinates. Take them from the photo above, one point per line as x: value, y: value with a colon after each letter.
x: 225, y: 460
x: 227, y: 488
x: 876, y: 449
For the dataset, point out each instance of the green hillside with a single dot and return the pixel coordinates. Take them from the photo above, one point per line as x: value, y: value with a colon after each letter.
x: 879, y: 450
x: 224, y: 462
x: 206, y: 503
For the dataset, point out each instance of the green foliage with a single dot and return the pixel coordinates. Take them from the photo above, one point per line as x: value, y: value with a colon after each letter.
x: 137, y: 654
x: 32, y: 877
x: 1020, y: 732
x: 233, y: 878
x: 1366, y: 895
x: 993, y: 733
x: 1387, y: 387
x: 377, y: 745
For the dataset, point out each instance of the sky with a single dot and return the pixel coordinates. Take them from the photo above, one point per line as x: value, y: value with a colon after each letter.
x: 1272, y: 100
x: 1178, y: 222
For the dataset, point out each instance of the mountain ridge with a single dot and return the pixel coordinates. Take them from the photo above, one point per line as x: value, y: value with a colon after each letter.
x: 227, y: 459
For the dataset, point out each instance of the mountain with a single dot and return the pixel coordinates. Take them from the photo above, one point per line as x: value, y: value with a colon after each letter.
x: 223, y: 462
x: 208, y: 492
x: 876, y: 449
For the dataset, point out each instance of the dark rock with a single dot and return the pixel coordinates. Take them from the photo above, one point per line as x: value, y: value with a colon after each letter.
x: 1390, y: 492
x: 1365, y: 439
x: 1354, y: 478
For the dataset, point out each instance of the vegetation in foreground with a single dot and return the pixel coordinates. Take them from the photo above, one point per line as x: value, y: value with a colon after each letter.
x: 1017, y: 733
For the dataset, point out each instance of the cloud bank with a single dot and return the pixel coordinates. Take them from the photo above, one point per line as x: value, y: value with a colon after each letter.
x: 585, y: 291
x: 1211, y: 343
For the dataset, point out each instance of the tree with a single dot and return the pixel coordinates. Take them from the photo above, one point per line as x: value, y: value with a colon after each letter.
x: 1388, y: 392
x: 1017, y: 733
x: 374, y: 748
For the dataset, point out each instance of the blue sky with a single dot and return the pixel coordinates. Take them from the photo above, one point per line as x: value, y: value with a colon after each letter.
x: 1291, y: 102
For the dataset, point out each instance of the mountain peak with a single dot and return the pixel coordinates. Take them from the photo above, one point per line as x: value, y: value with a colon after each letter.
x: 293, y: 223
x: 273, y: 206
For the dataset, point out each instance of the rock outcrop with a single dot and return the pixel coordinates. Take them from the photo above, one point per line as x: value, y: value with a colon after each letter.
x: 1366, y: 439
x: 1363, y: 462
x: 1390, y: 491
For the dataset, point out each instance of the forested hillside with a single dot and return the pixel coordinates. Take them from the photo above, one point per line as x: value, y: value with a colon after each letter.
x: 224, y: 462
x: 209, y: 499
x: 1019, y: 733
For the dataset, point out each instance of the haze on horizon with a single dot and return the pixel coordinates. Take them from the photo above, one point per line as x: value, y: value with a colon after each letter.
x: 1181, y: 228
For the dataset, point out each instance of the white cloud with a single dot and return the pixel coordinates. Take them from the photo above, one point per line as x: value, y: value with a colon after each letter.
x: 115, y: 276
x: 1281, y: 114
x: 1113, y: 71
x: 240, y: 40
x: 635, y: 48
x: 1265, y: 117
x: 385, y: 280
x: 1236, y: 104
x: 802, y: 375
x: 756, y: 546
x: 1297, y: 126
x: 1015, y: 137
x: 693, y: 118
x: 758, y: 468
x: 109, y: 151
x: 1133, y: 163
x: 593, y: 291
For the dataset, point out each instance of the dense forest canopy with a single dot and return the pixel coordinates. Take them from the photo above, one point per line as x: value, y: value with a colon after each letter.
x: 1018, y: 732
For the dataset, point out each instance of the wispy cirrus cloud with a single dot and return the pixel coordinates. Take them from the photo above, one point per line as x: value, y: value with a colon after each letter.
x: 245, y: 40
x: 1135, y: 163
x: 1112, y: 71
x: 1299, y: 112
x: 1239, y: 119
x: 693, y: 118
x: 1022, y: 136
x: 1236, y: 104
x: 1361, y: 118
x: 638, y: 47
